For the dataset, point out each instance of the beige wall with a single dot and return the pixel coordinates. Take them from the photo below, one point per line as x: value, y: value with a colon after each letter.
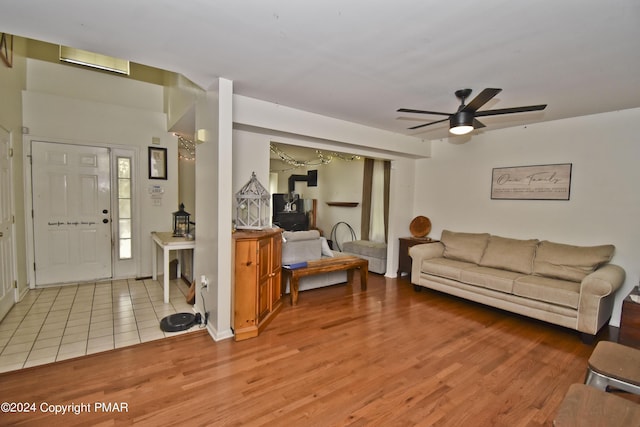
x: 453, y: 188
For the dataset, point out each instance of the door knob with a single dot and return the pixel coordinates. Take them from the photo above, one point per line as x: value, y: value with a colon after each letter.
x: 105, y: 220
x: 104, y: 211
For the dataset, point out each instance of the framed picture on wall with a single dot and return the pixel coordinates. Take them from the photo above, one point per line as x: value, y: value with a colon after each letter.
x: 157, y: 163
x: 540, y: 182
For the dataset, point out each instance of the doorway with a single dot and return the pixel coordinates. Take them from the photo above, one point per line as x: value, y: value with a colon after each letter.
x: 71, y: 202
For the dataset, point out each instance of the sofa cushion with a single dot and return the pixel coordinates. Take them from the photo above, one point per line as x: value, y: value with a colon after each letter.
x: 490, y: 278
x: 299, y: 246
x: 442, y: 267
x: 467, y: 247
x: 554, y: 291
x: 293, y: 236
x: 569, y: 262
x: 510, y: 254
x: 366, y: 248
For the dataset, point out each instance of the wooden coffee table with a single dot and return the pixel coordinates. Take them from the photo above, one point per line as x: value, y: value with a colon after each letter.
x: 326, y: 265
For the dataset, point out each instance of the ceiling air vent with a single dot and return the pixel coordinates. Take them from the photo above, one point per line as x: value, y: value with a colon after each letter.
x: 94, y: 60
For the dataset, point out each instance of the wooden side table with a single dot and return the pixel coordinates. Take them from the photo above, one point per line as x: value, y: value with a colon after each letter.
x: 630, y: 322
x: 404, y: 260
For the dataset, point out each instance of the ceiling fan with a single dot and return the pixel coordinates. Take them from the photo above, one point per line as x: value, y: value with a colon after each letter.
x: 464, y: 120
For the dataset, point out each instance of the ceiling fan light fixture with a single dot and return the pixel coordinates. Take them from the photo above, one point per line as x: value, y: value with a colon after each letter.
x: 464, y: 120
x: 461, y: 130
x: 461, y: 123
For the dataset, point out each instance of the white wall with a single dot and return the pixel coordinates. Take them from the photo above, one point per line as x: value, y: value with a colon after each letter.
x: 213, y: 253
x: 78, y: 106
x: 282, y: 119
x: 401, y: 209
x: 250, y: 154
x: 453, y: 187
x: 206, y: 191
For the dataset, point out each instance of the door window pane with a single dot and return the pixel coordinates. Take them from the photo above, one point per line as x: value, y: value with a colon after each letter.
x: 124, y: 208
x: 125, y: 229
x: 124, y: 167
x: 125, y: 248
x: 124, y: 188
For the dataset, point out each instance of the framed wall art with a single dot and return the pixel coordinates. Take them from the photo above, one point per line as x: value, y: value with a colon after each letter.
x: 157, y: 163
x: 540, y: 182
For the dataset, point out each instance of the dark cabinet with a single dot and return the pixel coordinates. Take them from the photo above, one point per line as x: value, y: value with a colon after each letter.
x: 630, y: 323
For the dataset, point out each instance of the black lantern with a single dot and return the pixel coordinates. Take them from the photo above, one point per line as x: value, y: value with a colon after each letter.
x: 181, y: 224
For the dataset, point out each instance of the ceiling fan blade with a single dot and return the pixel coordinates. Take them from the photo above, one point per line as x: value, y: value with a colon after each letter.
x: 477, y: 124
x: 409, y: 110
x: 482, y: 98
x: 510, y: 110
x: 429, y: 124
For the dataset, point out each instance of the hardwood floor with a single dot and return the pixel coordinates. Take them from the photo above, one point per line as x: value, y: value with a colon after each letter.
x: 385, y: 356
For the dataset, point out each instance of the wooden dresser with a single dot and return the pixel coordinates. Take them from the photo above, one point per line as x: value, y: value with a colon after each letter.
x: 257, y: 289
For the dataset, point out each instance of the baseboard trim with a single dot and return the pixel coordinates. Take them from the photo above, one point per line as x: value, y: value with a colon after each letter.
x: 219, y: 335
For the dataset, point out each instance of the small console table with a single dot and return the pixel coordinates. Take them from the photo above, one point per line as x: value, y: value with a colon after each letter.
x: 167, y: 242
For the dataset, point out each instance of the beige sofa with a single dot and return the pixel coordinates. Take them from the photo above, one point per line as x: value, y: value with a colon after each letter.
x: 567, y: 285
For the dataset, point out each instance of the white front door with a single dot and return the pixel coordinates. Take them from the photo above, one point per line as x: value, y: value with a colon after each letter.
x: 7, y: 294
x: 71, y: 212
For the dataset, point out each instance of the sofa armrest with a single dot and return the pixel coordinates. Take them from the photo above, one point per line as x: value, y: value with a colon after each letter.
x: 426, y: 251
x: 604, y: 281
x: 597, y: 294
x: 421, y: 252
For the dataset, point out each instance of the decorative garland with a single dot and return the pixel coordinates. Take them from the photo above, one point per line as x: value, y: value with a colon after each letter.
x: 187, y: 151
x: 186, y: 148
x: 323, y: 159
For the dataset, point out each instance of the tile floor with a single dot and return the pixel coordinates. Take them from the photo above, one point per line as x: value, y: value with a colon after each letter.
x: 59, y: 323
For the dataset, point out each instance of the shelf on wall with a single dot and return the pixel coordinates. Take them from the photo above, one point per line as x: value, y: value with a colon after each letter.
x: 344, y: 204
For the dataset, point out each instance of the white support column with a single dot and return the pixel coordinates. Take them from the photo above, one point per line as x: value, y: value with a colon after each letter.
x: 214, y: 195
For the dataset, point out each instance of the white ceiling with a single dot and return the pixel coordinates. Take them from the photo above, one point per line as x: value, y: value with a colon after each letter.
x: 361, y: 60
